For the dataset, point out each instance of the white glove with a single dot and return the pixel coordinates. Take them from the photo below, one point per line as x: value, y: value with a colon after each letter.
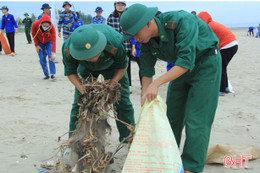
x: 53, y: 57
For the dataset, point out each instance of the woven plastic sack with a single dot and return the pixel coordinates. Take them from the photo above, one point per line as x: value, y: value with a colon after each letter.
x: 154, y: 148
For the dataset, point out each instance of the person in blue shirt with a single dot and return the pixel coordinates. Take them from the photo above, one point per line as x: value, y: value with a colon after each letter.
x: 46, y: 9
x: 79, y: 22
x: 98, y: 18
x: 251, y: 30
x: 136, y: 55
x: 10, y: 26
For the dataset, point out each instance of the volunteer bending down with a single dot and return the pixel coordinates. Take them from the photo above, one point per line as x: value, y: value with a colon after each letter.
x: 181, y: 38
x: 97, y: 49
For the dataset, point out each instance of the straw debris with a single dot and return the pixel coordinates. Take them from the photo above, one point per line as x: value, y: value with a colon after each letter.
x: 85, y: 151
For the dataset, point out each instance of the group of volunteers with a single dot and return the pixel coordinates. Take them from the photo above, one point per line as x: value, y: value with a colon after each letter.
x: 199, y: 49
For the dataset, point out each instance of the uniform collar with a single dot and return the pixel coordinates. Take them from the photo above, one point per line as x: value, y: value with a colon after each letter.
x: 7, y: 15
x: 162, y: 34
x: 67, y: 12
x: 99, y: 18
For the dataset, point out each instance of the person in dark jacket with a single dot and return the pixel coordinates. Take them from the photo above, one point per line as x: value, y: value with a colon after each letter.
x: 114, y: 21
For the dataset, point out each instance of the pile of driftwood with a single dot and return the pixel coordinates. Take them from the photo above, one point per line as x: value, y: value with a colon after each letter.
x: 85, y: 151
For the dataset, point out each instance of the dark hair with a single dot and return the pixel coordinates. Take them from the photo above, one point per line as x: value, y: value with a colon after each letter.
x: 77, y: 13
x: 193, y: 12
x: 159, y: 12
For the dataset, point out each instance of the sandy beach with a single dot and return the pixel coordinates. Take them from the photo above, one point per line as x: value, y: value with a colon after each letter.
x: 35, y: 112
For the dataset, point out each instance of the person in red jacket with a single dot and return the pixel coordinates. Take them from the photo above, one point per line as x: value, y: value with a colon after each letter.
x: 228, y: 46
x: 44, y: 36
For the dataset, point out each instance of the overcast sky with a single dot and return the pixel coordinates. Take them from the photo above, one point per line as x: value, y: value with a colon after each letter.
x: 231, y: 14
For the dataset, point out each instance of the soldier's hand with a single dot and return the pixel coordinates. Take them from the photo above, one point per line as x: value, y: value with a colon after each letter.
x: 59, y: 34
x: 38, y: 48
x: 113, y: 83
x: 150, y: 93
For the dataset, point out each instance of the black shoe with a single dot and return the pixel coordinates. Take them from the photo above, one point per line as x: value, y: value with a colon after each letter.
x: 46, y: 78
x: 53, y: 77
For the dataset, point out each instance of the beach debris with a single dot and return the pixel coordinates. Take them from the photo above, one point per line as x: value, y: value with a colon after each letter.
x: 85, y: 151
x: 44, y: 171
x: 50, y: 164
x: 23, y: 156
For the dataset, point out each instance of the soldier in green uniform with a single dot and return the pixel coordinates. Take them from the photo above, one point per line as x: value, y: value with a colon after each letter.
x: 27, y: 21
x: 97, y: 49
x: 181, y: 38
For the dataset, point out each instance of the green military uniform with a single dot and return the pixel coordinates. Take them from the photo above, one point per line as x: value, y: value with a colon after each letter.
x: 192, y: 98
x: 27, y: 25
x: 112, y: 57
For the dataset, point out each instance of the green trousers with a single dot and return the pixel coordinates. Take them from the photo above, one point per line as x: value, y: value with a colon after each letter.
x: 28, y: 34
x: 191, y: 102
x: 124, y: 108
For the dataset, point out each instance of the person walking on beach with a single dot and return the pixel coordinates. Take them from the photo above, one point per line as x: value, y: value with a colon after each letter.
x: 10, y: 26
x: 97, y: 49
x: 44, y: 36
x: 46, y: 8
x: 114, y: 21
x: 181, y: 38
x: 98, y: 19
x: 27, y: 21
x: 228, y: 46
x: 67, y: 21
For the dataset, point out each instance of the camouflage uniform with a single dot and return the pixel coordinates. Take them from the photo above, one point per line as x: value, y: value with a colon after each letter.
x: 67, y: 21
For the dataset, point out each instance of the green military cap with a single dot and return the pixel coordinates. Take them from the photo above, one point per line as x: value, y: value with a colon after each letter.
x: 86, y: 42
x: 135, y: 18
x: 26, y: 14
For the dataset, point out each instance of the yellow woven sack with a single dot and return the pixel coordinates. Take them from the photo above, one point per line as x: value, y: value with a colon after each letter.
x: 154, y: 149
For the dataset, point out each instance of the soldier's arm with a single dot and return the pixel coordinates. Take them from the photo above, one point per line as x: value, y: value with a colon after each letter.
x: 120, y: 61
x: 73, y: 78
x: 147, y: 63
x: 70, y: 67
x: 119, y: 73
x: 186, y: 31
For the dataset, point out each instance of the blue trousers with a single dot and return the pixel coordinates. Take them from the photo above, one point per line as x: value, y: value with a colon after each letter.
x: 46, y: 49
